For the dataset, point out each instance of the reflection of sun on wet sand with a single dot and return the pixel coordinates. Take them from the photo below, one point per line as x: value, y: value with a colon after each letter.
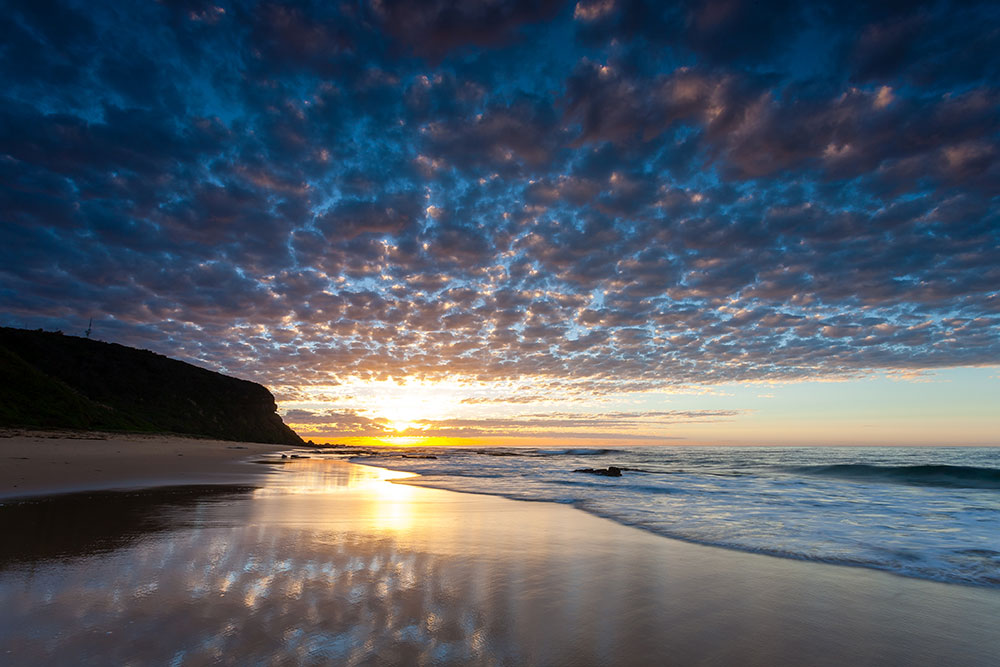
x: 330, y: 562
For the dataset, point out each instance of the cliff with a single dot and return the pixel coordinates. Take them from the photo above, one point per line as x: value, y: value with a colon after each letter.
x: 49, y: 380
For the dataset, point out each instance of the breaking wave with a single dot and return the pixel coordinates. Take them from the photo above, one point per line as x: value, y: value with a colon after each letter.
x: 932, y: 513
x: 968, y: 477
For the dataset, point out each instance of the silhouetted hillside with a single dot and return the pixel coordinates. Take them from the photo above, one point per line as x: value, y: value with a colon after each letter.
x: 54, y: 381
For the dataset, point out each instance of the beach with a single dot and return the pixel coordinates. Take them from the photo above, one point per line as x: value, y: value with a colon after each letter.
x: 320, y: 562
x: 604, y: 332
x: 45, y: 462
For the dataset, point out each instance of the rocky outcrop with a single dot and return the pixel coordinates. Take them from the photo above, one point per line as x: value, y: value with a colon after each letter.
x: 610, y: 471
x: 49, y: 380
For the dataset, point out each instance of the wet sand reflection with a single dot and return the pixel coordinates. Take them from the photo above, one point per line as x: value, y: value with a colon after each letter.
x: 82, y: 524
x: 331, y: 563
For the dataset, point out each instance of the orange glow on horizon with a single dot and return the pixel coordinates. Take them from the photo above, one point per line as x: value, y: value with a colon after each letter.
x: 876, y: 410
x: 490, y: 441
x: 400, y: 441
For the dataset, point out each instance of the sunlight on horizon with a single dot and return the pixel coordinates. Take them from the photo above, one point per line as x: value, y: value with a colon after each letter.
x: 401, y: 441
x: 884, y: 408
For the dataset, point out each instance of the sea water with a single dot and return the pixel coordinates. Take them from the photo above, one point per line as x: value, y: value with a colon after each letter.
x: 324, y: 563
x: 932, y: 513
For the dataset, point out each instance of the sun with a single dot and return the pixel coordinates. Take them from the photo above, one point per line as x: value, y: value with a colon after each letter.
x: 393, y: 411
x: 402, y: 412
x: 407, y: 408
x: 404, y: 425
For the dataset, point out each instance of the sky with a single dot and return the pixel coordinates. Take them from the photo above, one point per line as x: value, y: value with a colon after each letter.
x: 512, y: 222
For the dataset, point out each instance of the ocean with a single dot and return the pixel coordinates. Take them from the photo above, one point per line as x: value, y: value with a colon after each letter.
x: 931, y: 513
x: 321, y: 562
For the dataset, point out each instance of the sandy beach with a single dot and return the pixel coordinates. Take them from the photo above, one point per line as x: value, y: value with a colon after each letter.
x: 44, y: 462
x: 331, y: 562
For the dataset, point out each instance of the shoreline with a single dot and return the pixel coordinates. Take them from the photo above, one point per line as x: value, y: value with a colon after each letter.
x: 767, y: 506
x: 413, y: 481
x: 41, y: 463
x: 47, y: 463
x: 412, y: 575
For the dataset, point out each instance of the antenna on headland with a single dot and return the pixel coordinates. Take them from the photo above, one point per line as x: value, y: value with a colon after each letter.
x: 90, y: 327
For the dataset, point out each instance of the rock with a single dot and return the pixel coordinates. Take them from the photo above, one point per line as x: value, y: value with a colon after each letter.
x: 610, y: 471
x: 48, y: 380
x: 284, y: 456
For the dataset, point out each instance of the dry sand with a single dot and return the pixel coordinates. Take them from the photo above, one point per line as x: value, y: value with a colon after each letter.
x: 45, y: 462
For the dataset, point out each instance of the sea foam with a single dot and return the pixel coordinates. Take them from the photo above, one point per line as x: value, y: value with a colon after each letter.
x: 925, y: 512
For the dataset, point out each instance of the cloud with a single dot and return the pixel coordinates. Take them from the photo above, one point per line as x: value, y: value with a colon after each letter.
x: 634, y: 425
x: 522, y: 135
x: 590, y: 198
x: 433, y: 29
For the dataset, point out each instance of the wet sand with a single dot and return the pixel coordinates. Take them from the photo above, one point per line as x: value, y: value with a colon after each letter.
x: 330, y: 563
x: 39, y: 463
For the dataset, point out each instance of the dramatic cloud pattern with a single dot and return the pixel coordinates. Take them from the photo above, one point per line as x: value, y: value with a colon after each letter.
x: 617, y: 425
x: 596, y: 198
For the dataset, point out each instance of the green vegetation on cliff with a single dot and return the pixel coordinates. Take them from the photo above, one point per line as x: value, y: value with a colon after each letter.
x: 48, y: 380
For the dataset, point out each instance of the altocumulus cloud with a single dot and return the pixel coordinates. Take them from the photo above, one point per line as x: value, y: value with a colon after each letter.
x: 603, y: 196
x: 619, y: 425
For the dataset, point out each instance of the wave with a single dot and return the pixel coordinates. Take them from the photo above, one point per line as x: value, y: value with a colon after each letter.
x: 763, y: 502
x: 953, y: 570
x: 968, y: 477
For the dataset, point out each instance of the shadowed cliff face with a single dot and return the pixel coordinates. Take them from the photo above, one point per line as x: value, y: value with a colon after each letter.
x: 52, y: 380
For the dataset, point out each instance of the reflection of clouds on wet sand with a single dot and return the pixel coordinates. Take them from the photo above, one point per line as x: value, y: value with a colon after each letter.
x: 300, y: 594
x: 318, y: 572
x: 221, y: 593
x: 332, y: 564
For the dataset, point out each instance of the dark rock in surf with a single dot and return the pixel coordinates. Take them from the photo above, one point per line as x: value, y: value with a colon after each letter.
x: 610, y: 471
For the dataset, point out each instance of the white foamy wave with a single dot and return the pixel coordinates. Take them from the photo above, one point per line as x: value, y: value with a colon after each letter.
x: 926, y: 512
